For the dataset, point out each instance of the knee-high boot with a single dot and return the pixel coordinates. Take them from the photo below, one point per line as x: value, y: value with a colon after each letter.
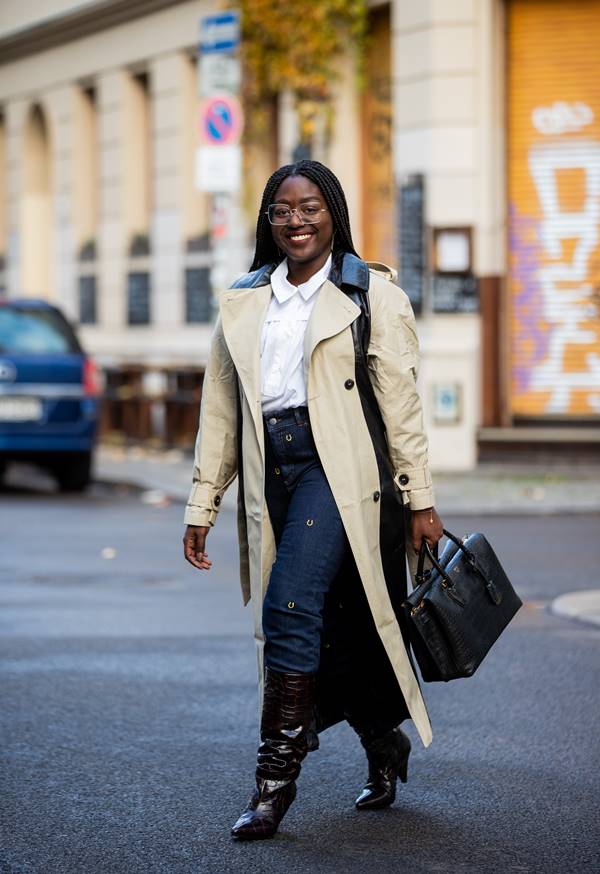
x: 286, y: 718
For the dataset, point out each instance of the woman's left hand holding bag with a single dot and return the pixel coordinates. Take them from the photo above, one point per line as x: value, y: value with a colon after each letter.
x: 425, y: 525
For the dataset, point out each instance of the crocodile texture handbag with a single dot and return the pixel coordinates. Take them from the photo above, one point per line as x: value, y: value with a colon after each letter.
x: 459, y: 608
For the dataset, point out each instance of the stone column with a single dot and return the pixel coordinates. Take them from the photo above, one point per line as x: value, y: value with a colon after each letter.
x: 167, y: 75
x: 59, y: 103
x: 112, y: 233
x: 15, y: 115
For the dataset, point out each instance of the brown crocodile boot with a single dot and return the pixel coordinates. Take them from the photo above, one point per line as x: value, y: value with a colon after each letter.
x: 286, y: 718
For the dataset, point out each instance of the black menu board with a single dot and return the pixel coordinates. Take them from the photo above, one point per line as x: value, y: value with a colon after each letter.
x: 411, y: 240
x: 455, y: 294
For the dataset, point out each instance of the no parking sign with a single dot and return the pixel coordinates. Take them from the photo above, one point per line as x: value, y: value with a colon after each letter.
x: 221, y: 120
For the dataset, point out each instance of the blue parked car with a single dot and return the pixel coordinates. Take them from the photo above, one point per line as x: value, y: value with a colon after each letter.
x: 49, y: 393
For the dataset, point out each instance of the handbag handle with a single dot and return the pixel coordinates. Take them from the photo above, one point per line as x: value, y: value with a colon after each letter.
x: 426, y: 550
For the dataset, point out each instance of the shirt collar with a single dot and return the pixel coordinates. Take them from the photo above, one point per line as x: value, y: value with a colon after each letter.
x: 283, y: 288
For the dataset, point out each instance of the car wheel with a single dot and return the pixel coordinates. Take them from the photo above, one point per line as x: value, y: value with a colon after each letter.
x: 75, y: 473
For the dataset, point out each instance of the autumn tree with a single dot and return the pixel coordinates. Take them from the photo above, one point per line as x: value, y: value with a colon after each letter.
x: 293, y: 48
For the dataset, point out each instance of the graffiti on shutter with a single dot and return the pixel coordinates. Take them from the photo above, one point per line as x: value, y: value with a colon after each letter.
x: 554, y: 208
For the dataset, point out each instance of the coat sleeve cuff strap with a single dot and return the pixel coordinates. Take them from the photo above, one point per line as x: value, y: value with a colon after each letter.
x: 198, y: 516
x: 413, y: 478
x: 203, y: 505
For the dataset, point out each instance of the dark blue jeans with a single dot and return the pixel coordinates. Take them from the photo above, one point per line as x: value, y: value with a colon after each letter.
x: 310, y: 538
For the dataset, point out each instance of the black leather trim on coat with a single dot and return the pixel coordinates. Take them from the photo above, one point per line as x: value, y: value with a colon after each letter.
x: 256, y: 278
x: 380, y: 704
x: 347, y: 269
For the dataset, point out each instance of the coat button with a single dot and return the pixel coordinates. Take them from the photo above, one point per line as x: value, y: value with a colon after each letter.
x: 349, y: 384
x: 217, y: 500
x: 376, y: 496
x: 403, y: 479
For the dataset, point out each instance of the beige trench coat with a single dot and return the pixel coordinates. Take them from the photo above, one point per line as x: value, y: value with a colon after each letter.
x: 341, y: 436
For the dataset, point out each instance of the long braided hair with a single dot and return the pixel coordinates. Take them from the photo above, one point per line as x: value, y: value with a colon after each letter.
x: 266, y: 249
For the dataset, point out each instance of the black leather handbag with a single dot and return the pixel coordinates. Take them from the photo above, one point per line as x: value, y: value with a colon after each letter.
x: 458, y: 608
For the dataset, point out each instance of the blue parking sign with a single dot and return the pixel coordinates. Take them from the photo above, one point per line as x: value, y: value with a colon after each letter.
x: 220, y: 32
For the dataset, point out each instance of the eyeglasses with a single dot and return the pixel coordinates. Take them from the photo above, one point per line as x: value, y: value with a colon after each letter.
x: 308, y: 213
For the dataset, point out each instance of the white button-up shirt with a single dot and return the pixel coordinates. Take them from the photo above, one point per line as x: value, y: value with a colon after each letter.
x: 282, y: 339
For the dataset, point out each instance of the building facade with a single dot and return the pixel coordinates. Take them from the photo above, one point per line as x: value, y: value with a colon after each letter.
x: 471, y: 160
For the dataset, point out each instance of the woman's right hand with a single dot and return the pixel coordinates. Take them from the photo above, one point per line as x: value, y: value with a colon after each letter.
x: 194, y: 541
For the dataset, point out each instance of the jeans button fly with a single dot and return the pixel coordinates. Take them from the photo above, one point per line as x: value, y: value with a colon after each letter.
x: 272, y: 420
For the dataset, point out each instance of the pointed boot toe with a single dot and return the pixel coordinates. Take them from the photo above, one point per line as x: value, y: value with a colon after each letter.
x: 388, y: 759
x: 265, y: 810
x: 376, y: 796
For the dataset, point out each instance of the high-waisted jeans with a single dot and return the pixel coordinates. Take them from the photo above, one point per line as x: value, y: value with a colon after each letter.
x: 310, y: 538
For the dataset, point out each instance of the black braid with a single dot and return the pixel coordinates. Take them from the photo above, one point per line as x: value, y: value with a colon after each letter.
x: 266, y: 250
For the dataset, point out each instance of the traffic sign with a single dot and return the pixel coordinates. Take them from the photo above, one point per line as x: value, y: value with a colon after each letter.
x: 218, y: 168
x: 220, y: 33
x: 221, y: 120
x: 218, y: 73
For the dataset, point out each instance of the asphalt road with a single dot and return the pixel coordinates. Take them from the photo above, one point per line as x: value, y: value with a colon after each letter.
x: 128, y: 719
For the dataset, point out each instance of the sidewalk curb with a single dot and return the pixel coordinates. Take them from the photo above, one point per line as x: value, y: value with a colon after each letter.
x: 583, y: 606
x: 472, y: 510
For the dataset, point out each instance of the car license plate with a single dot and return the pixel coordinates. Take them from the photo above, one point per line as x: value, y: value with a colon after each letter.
x: 20, y: 409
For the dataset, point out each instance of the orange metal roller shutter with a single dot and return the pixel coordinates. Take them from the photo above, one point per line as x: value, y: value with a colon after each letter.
x: 554, y: 207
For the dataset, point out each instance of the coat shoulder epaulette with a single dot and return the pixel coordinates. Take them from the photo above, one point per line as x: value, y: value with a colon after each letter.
x: 383, y: 270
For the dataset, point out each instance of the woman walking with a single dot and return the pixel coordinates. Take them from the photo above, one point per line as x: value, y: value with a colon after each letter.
x: 309, y: 398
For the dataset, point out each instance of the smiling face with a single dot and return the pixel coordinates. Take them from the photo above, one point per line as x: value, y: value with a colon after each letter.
x: 307, y: 246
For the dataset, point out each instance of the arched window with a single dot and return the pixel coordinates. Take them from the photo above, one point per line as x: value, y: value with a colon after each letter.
x: 36, y: 208
x: 138, y: 169
x: 138, y: 198
x: 86, y: 200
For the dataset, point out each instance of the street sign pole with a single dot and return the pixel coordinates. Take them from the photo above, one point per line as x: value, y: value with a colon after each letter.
x: 219, y: 152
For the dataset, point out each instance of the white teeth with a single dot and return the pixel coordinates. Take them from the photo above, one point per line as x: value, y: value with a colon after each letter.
x: 300, y: 237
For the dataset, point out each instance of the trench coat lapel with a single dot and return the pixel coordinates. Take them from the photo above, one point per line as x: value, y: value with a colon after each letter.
x: 243, y: 312
x: 333, y: 311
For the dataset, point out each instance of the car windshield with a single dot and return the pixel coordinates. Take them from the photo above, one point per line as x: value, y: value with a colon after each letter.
x: 35, y: 332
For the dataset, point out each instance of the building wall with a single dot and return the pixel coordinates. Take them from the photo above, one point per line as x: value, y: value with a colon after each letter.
x: 131, y: 90
x: 132, y: 197
x: 143, y: 179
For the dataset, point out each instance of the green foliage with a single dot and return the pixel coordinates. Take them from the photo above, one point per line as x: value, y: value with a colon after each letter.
x: 290, y: 47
